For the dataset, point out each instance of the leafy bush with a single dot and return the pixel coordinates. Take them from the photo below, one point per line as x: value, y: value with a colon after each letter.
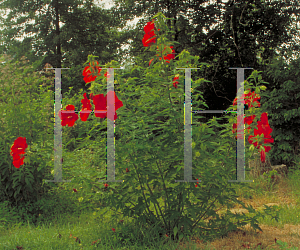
x: 26, y: 104
x: 154, y: 163
x: 283, y: 105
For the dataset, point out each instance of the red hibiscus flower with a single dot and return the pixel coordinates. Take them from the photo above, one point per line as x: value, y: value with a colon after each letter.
x: 101, y: 104
x: 68, y: 117
x: 89, y: 75
x: 150, y: 62
x: 91, y: 96
x: 263, y: 128
x: 170, y: 56
x: 240, y: 136
x: 175, y: 82
x: 249, y: 99
x: 247, y: 120
x: 262, y: 156
x: 263, y: 124
x: 235, y: 100
x: 86, y: 108
x: 18, y: 150
x: 107, y: 75
x: 148, y: 40
x: 149, y: 37
x: 267, y: 139
x: 252, y: 99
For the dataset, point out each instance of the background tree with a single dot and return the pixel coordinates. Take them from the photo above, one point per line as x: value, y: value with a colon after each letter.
x: 242, y: 32
x: 85, y: 29
x: 283, y: 105
x: 231, y: 34
x: 238, y: 34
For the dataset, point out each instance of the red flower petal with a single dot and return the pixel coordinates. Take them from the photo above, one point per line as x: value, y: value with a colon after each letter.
x: 170, y: 56
x: 107, y: 75
x: 150, y: 62
x: 109, y: 102
x: 175, y: 82
x: 249, y: 119
x: 262, y: 156
x: 86, y: 108
x: 100, y: 105
x: 17, y: 151
x: 118, y: 103
x: 19, y: 146
x: 176, y: 78
x: 88, y: 75
x: 149, y: 37
x: 149, y: 27
x: 267, y: 149
x: 68, y: 118
x: 17, y: 163
x: 148, y: 40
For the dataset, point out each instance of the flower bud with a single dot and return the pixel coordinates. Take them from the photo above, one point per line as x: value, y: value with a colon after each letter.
x: 263, y: 87
x: 246, y: 91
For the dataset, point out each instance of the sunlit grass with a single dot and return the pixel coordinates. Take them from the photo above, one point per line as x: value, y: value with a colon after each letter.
x: 76, y: 225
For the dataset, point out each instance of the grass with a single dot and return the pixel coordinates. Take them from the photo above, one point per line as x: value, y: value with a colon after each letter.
x: 69, y: 224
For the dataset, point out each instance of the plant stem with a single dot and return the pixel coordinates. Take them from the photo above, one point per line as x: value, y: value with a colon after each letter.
x: 16, y: 120
x: 166, y: 204
x: 142, y: 188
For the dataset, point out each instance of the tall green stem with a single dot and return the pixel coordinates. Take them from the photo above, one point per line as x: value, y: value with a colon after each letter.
x: 16, y: 120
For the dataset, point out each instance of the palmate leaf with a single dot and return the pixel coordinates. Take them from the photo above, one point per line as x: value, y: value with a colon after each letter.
x: 29, y: 186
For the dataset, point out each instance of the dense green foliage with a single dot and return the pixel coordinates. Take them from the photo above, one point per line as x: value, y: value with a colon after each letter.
x: 283, y: 105
x: 245, y: 34
x: 21, y: 88
x: 149, y: 128
x: 86, y: 29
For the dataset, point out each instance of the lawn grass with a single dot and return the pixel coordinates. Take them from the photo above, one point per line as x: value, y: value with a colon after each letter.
x: 70, y: 224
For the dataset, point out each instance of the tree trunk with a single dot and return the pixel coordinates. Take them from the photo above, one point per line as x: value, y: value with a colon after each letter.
x: 58, y: 48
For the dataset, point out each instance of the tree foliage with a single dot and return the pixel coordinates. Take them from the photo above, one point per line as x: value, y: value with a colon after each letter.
x: 238, y: 34
x: 246, y: 34
x: 283, y: 105
x: 223, y: 35
x: 85, y: 29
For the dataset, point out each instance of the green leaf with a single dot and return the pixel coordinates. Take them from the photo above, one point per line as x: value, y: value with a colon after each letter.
x: 180, y: 236
x: 175, y: 230
x: 17, y: 191
x: 28, y: 184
